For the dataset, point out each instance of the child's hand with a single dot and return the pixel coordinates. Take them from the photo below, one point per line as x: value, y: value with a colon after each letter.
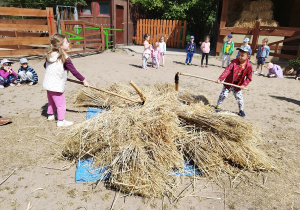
x: 85, y: 83
x: 19, y: 85
x: 242, y: 87
x: 218, y: 81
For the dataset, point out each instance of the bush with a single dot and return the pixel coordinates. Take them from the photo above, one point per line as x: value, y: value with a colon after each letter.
x: 295, y: 63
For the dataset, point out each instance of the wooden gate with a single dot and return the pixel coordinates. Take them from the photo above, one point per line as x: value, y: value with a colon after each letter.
x: 25, y: 36
x: 173, y: 31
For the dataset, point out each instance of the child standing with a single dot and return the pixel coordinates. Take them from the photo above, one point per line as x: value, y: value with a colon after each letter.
x: 147, y: 51
x: 246, y: 45
x: 163, y: 49
x: 26, y: 73
x: 190, y: 50
x: 7, y: 75
x: 261, y: 55
x: 205, y: 47
x: 227, y: 50
x: 274, y: 70
x: 155, y: 54
x: 239, y: 72
x: 57, y: 66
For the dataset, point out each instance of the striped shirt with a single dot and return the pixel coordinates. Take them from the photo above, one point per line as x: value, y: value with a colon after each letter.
x: 35, y: 76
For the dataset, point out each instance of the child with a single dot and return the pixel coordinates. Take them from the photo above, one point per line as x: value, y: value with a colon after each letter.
x: 57, y: 65
x: 7, y: 75
x: 147, y: 51
x: 163, y: 49
x: 26, y: 73
x: 190, y: 50
x: 239, y: 72
x: 245, y: 44
x: 227, y: 50
x: 297, y: 74
x: 274, y: 70
x: 205, y: 47
x: 155, y: 54
x: 261, y: 55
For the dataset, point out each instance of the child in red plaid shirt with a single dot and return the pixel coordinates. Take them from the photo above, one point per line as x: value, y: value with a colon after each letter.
x: 239, y: 72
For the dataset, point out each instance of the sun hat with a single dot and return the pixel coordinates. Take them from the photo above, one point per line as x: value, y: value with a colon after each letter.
x: 192, y: 37
x: 23, y: 60
x: 6, y: 61
x: 246, y: 39
x: 244, y: 49
x: 230, y: 36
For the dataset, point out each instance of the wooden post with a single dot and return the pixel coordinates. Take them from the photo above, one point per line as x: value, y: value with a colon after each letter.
x: 276, y: 48
x: 255, y: 37
x: 84, y: 38
x: 222, y: 25
x: 102, y: 38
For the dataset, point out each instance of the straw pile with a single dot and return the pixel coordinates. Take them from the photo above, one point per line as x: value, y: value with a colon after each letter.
x: 140, y: 145
x: 257, y: 11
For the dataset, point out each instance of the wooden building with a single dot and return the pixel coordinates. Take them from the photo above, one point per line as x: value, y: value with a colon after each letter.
x: 110, y: 14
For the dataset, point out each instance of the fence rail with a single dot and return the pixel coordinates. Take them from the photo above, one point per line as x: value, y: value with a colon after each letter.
x: 25, y: 36
x: 172, y: 30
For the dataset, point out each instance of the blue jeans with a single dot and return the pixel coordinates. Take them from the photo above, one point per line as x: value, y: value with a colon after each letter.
x: 189, y: 57
x: 10, y: 79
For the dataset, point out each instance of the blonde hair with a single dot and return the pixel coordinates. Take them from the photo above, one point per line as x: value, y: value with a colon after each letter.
x: 162, y: 37
x: 265, y: 40
x: 156, y: 44
x: 56, y: 41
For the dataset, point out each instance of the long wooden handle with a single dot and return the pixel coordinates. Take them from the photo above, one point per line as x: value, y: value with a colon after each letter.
x: 105, y: 91
x: 143, y: 98
x: 225, y: 83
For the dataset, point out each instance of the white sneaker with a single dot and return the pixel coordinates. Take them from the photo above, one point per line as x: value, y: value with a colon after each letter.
x: 51, y: 117
x: 64, y: 123
x: 11, y: 84
x: 1, y: 86
x: 255, y: 72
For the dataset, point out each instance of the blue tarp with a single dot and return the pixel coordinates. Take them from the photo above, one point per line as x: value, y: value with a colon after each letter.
x: 85, y: 171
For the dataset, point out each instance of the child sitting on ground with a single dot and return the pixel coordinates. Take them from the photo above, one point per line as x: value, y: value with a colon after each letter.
x: 26, y: 73
x: 227, y: 50
x: 205, y: 47
x: 274, y: 70
x: 163, y: 49
x: 155, y: 54
x: 147, y: 51
x: 261, y: 55
x: 190, y: 50
x: 239, y: 72
x: 7, y: 75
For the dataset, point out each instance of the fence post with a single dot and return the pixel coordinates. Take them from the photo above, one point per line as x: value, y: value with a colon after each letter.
x: 50, y: 21
x: 102, y: 38
x: 84, y: 38
x: 256, y: 30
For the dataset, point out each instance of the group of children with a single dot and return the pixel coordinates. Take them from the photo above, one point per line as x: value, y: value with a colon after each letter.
x: 25, y: 74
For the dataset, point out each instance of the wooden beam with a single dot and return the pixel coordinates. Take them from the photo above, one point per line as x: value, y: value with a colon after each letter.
x: 224, y: 14
x: 22, y: 52
x: 18, y: 27
x: 24, y: 21
x: 283, y: 55
x: 15, y: 11
x: 255, y: 38
x: 285, y: 40
x: 24, y: 41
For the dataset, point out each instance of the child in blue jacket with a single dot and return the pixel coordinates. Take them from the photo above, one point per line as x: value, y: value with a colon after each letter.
x: 190, y: 50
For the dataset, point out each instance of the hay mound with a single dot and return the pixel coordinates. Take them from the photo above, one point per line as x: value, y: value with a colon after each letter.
x: 257, y: 11
x: 142, y: 144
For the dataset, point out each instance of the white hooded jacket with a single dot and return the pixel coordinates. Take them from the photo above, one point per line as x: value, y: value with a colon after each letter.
x: 55, y: 76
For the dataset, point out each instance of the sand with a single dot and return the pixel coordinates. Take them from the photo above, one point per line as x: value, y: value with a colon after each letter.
x: 45, y: 180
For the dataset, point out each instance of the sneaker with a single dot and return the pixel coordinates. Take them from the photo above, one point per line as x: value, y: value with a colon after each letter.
x: 256, y: 72
x: 242, y: 113
x: 206, y: 66
x: 11, y: 84
x: 202, y: 66
x: 64, y: 123
x: 217, y: 109
x: 190, y: 64
x: 51, y: 117
x: 185, y: 63
x: 261, y: 74
x: 1, y: 86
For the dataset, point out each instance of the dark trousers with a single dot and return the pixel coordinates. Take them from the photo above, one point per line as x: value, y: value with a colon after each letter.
x: 204, y: 55
x: 189, y: 57
x: 10, y: 79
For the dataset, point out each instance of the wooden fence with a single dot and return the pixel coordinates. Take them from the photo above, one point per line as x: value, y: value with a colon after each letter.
x: 83, y: 36
x: 173, y: 31
x: 25, y: 36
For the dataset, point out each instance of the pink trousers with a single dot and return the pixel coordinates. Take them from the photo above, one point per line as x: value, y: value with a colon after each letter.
x: 56, y: 102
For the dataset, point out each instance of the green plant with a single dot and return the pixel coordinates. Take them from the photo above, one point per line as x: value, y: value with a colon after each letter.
x: 295, y: 62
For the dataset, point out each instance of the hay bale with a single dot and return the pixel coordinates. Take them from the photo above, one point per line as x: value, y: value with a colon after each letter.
x: 248, y: 16
x: 265, y: 16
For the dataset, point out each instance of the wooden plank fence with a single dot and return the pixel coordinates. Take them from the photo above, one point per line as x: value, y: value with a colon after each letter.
x: 25, y: 36
x: 173, y: 31
x: 83, y: 36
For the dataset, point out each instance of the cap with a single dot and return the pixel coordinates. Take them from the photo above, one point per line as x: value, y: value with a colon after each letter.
x: 192, y: 37
x: 6, y: 61
x: 23, y: 60
x: 230, y: 36
x: 270, y: 66
x: 246, y: 39
x: 244, y: 49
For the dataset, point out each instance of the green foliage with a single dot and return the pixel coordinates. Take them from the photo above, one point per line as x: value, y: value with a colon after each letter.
x: 41, y: 4
x: 295, y: 62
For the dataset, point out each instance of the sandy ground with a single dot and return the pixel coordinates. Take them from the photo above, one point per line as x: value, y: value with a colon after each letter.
x: 30, y: 146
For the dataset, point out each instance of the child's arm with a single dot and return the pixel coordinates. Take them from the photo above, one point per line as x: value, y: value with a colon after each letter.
x: 267, y: 51
x: 195, y: 47
x: 258, y: 50
x: 69, y: 66
x: 187, y: 47
x: 226, y: 72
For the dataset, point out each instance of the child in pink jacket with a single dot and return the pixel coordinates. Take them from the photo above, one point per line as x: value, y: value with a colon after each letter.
x: 205, y: 47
